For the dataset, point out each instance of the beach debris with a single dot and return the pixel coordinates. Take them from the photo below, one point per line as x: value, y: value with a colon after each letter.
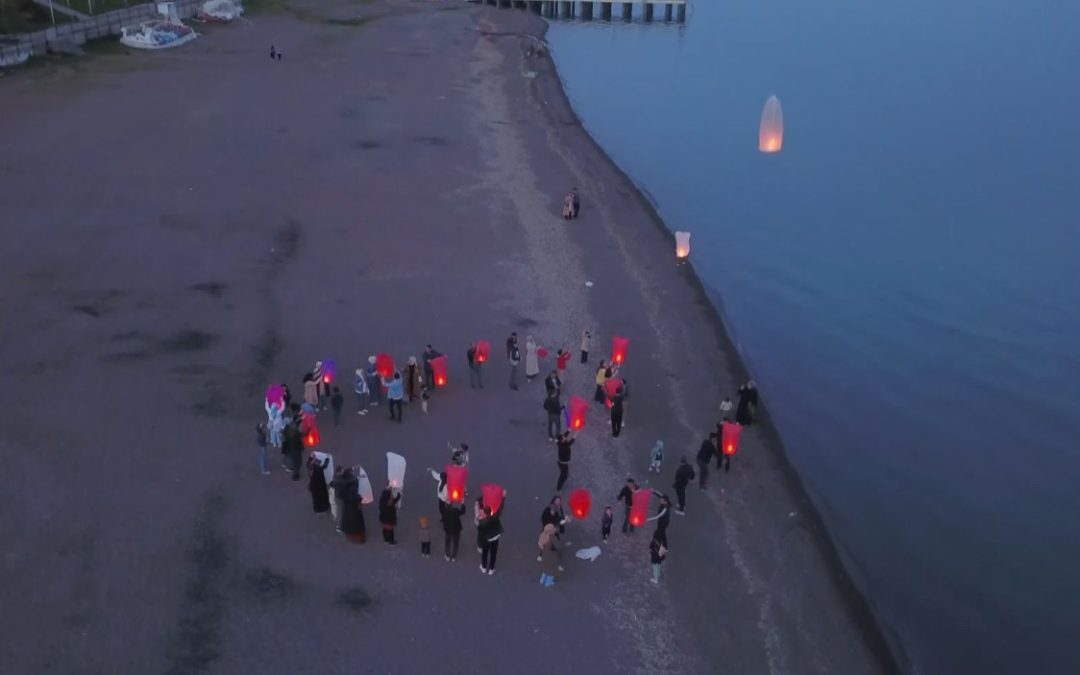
x: 590, y: 554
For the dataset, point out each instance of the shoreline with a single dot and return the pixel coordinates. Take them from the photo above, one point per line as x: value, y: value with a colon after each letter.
x: 888, y: 652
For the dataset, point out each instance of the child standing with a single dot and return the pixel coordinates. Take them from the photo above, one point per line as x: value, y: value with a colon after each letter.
x: 657, y: 553
x: 605, y: 523
x: 425, y: 537
x: 336, y: 402
x: 656, y: 455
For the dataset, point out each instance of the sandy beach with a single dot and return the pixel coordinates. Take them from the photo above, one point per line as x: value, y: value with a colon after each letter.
x: 184, y: 227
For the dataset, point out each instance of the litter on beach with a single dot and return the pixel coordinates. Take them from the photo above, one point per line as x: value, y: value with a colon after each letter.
x: 590, y: 554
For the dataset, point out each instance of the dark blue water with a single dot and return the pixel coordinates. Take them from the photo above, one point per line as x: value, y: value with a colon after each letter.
x: 903, y: 280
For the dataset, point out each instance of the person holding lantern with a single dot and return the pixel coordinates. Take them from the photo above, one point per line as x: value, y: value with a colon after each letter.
x: 388, y: 502
x: 704, y: 456
x: 292, y: 446
x: 451, y: 522
x: 320, y: 494
x: 374, y: 386
x: 346, y: 486
x: 662, y: 517
x: 683, y: 475
x: 490, y: 530
x: 553, y: 514
x: 395, y: 394
x: 322, y: 383
x: 532, y: 361
x: 476, y: 378
x: 562, y: 360
x: 311, y: 390
x: 626, y: 496
x: 429, y: 372
x: 566, y: 442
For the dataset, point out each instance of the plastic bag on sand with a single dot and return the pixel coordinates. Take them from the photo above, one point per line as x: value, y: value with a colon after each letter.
x: 590, y: 554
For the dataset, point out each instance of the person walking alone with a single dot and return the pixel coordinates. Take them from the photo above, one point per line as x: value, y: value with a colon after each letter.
x: 554, y: 416
x: 683, y: 475
x: 395, y: 393
x: 373, y: 382
x: 513, y: 357
x: 566, y: 442
x: 704, y: 456
x: 601, y: 377
x: 491, y: 530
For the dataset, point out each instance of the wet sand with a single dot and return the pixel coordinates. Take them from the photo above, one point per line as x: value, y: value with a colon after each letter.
x: 183, y: 227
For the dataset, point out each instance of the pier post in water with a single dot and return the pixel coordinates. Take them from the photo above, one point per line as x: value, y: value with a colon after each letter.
x: 648, y: 11
x: 667, y: 12
x: 680, y: 13
x: 564, y: 10
x: 586, y: 10
x: 627, y: 12
x: 605, y: 11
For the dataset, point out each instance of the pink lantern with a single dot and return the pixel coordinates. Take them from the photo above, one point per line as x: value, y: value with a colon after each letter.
x: 455, y: 482
x: 580, y: 503
x: 611, y: 388
x: 639, y: 509
x: 438, y: 370
x: 619, y: 346
x: 578, y: 410
x: 384, y: 365
x: 275, y: 395
x: 483, y: 351
x: 729, y: 437
x: 493, y: 496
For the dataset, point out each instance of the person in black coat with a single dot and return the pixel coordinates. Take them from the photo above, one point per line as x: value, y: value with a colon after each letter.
x: 388, y: 502
x: 626, y: 496
x: 320, y: 495
x: 662, y: 518
x: 292, y: 446
x: 616, y: 413
x: 704, y: 456
x: 346, y: 486
x: 748, y: 401
x: 565, y: 445
x: 683, y: 475
x: 553, y: 514
x: 451, y: 523
x: 490, y: 530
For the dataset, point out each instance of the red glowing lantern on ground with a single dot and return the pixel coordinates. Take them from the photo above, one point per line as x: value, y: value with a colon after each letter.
x: 611, y: 387
x: 438, y: 370
x: 311, y: 438
x: 639, y: 509
x: 618, y: 349
x: 384, y: 365
x: 578, y: 409
x: 580, y: 503
x: 455, y: 483
x: 493, y: 496
x: 483, y: 351
x: 729, y: 437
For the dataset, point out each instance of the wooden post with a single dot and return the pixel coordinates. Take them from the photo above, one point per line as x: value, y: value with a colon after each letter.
x: 627, y: 11
x: 667, y: 12
x: 648, y: 11
x: 605, y: 11
x: 586, y: 10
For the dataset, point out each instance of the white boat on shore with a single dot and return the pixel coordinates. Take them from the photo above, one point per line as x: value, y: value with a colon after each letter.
x: 220, y: 11
x: 158, y: 33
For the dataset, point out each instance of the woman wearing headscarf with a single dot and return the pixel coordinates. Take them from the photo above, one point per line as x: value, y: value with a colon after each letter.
x: 320, y: 495
x: 491, y: 531
x: 388, y: 502
x: 532, y: 362
x: 352, y: 516
x: 553, y: 514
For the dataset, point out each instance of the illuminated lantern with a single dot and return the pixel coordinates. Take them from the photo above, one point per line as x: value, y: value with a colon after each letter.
x: 580, y: 503
x: 611, y: 387
x: 578, y: 408
x: 438, y: 370
x: 493, y: 496
x: 329, y: 370
x: 455, y: 482
x: 618, y: 349
x: 729, y: 437
x: 542, y: 353
x: 363, y: 488
x: 639, y: 509
x: 384, y: 365
x: 311, y: 438
x: 275, y: 394
x: 682, y: 245
x: 483, y: 350
x: 395, y: 470
x: 771, y: 133
x: 307, y: 421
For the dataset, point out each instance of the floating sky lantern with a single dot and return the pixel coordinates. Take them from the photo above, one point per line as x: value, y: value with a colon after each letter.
x: 483, y: 351
x: 455, y: 483
x: 493, y: 496
x: 395, y: 470
x: 611, y: 388
x: 729, y: 437
x: 771, y: 132
x: 682, y: 245
x: 438, y: 370
x: 384, y: 365
x: 580, y: 503
x: 639, y: 509
x: 619, y: 346
x: 578, y: 409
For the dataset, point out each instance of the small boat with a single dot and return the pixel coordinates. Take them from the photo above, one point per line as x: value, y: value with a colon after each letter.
x: 220, y: 11
x: 158, y: 33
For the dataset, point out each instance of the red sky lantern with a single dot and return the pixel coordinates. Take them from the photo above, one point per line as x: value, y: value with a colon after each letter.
x: 455, y: 483
x: 483, y: 350
x: 729, y: 437
x: 580, y: 503
x: 639, y: 510
x: 384, y: 365
x: 493, y: 496
x: 578, y: 409
x: 311, y: 438
x: 618, y: 349
x: 438, y: 370
x: 611, y: 387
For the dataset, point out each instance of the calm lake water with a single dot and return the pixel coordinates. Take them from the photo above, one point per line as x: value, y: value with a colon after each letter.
x: 903, y: 280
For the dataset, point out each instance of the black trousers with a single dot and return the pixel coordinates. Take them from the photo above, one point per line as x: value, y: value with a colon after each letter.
x: 450, y: 544
x: 584, y: 356
x: 488, y: 552
x: 564, y: 471
x: 395, y: 403
x: 680, y: 493
x: 388, y: 535
x: 626, y: 526
x: 425, y: 547
x: 616, y: 425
